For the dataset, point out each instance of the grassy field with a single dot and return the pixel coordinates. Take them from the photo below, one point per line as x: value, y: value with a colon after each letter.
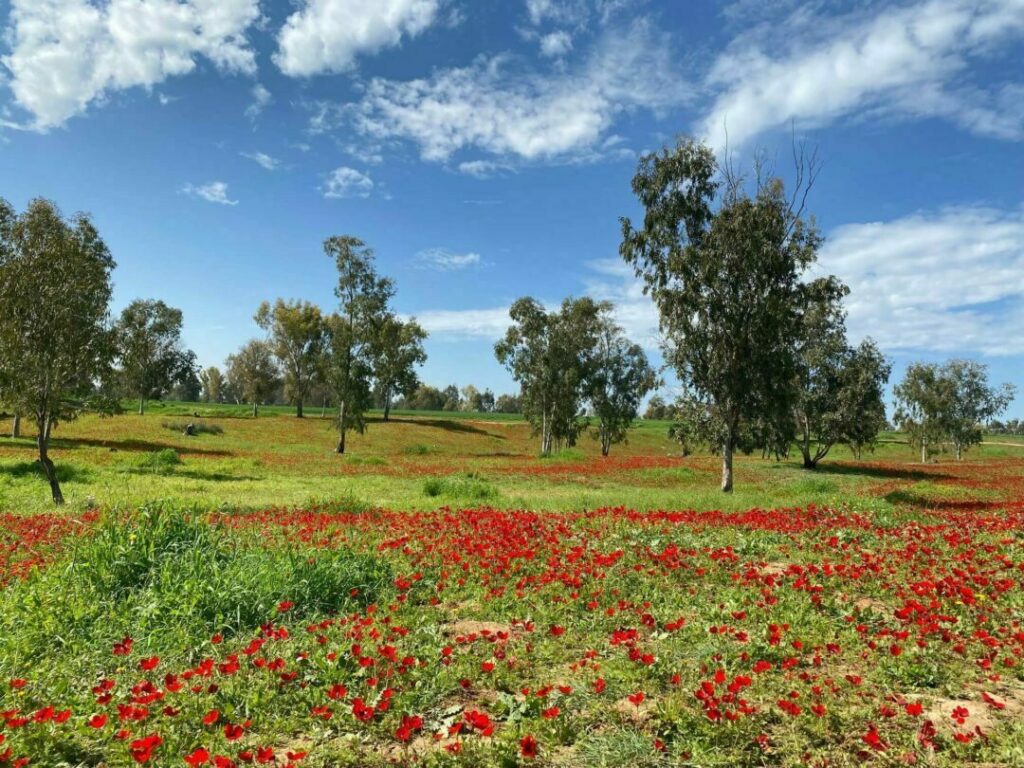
x: 443, y: 596
x: 415, y: 461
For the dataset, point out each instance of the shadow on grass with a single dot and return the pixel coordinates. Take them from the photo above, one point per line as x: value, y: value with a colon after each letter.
x: 66, y: 473
x: 147, y: 446
x: 917, y: 501
x: 447, y: 426
x: 192, y: 474
x: 883, y: 473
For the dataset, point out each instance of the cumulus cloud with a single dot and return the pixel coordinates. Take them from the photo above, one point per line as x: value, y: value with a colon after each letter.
x: 347, y: 182
x: 211, y: 192
x: 444, y: 260
x: 900, y: 61
x: 946, y: 281
x: 495, y: 106
x: 263, y: 159
x: 328, y: 35
x: 67, y: 54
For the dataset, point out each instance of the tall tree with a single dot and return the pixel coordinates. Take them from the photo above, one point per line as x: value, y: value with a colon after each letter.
x: 839, y: 387
x: 253, y: 373
x: 922, y: 405
x: 212, y: 381
x: 973, y: 402
x: 724, y: 268
x: 550, y: 354
x: 619, y: 380
x: 298, y: 338
x: 152, y: 360
x: 54, y: 311
x: 363, y: 304
x: 397, y: 350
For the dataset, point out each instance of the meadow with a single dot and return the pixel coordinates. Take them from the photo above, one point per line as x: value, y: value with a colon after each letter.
x: 440, y: 595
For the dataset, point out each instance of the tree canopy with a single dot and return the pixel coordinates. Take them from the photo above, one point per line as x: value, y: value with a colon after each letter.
x: 149, y: 350
x: 724, y: 267
x: 253, y: 373
x: 298, y: 339
x: 55, y: 343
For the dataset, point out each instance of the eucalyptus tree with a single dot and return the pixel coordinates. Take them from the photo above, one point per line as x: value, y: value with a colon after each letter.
x: 397, y: 351
x: 213, y: 384
x: 973, y: 402
x: 149, y: 349
x: 363, y: 298
x: 839, y: 387
x: 550, y: 355
x: 724, y: 268
x: 619, y: 379
x: 298, y: 338
x: 253, y: 374
x: 55, y: 341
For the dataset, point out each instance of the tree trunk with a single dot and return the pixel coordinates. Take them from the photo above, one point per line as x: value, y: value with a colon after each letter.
x: 323, y: 409
x: 387, y: 403
x: 959, y: 452
x: 809, y: 461
x: 924, y: 452
x: 43, y: 443
x: 255, y: 409
x: 606, y: 444
x: 298, y: 409
x: 341, y: 428
x: 142, y: 406
x: 16, y: 428
x: 727, y: 466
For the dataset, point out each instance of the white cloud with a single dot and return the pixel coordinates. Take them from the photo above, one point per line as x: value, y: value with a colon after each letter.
x: 212, y: 192
x: 574, y: 12
x: 903, y: 61
x: 67, y: 54
x: 443, y: 260
x: 609, y: 279
x: 457, y: 324
x: 263, y: 159
x: 556, y: 44
x: 946, y: 281
x: 493, y: 107
x: 482, y: 169
x: 347, y: 182
x: 261, y: 99
x: 327, y: 35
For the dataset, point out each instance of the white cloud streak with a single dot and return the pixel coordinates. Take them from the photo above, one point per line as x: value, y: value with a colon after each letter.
x: 946, y: 281
x: 495, y: 107
x: 905, y: 61
x: 444, y: 260
x: 263, y: 159
x: 211, y: 192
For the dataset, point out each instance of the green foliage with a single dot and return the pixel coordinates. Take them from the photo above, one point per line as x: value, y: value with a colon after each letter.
x: 298, y: 339
x: 253, y: 374
x: 54, y: 296
x: 551, y: 355
x: 162, y: 462
x: 397, y: 350
x: 619, y: 380
x: 363, y: 307
x: 169, y: 576
x: 149, y: 351
x: 470, y: 487
x: 724, y: 268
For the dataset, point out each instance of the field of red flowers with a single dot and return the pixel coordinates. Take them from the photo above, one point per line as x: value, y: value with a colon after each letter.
x: 616, y: 637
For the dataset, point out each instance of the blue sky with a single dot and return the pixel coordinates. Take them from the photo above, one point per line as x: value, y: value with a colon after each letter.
x: 485, y: 150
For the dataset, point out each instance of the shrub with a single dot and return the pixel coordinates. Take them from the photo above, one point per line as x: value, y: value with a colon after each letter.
x: 198, y: 427
x: 162, y: 462
x: 470, y: 487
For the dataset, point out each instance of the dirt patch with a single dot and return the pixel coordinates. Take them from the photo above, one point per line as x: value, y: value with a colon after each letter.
x: 469, y: 628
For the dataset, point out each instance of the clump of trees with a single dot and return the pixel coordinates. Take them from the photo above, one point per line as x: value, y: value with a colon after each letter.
x: 948, y: 404
x: 253, y: 374
x: 760, y: 350
x: 297, y: 336
x: 567, y: 358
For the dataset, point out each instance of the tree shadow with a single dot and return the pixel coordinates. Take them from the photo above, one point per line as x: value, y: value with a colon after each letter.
x: 138, y: 446
x: 447, y: 425
x: 882, y: 473
x: 916, y: 500
x: 192, y: 474
x: 66, y: 473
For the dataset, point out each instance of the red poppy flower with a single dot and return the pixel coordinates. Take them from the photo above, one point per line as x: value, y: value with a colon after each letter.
x: 198, y: 757
x: 528, y: 746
